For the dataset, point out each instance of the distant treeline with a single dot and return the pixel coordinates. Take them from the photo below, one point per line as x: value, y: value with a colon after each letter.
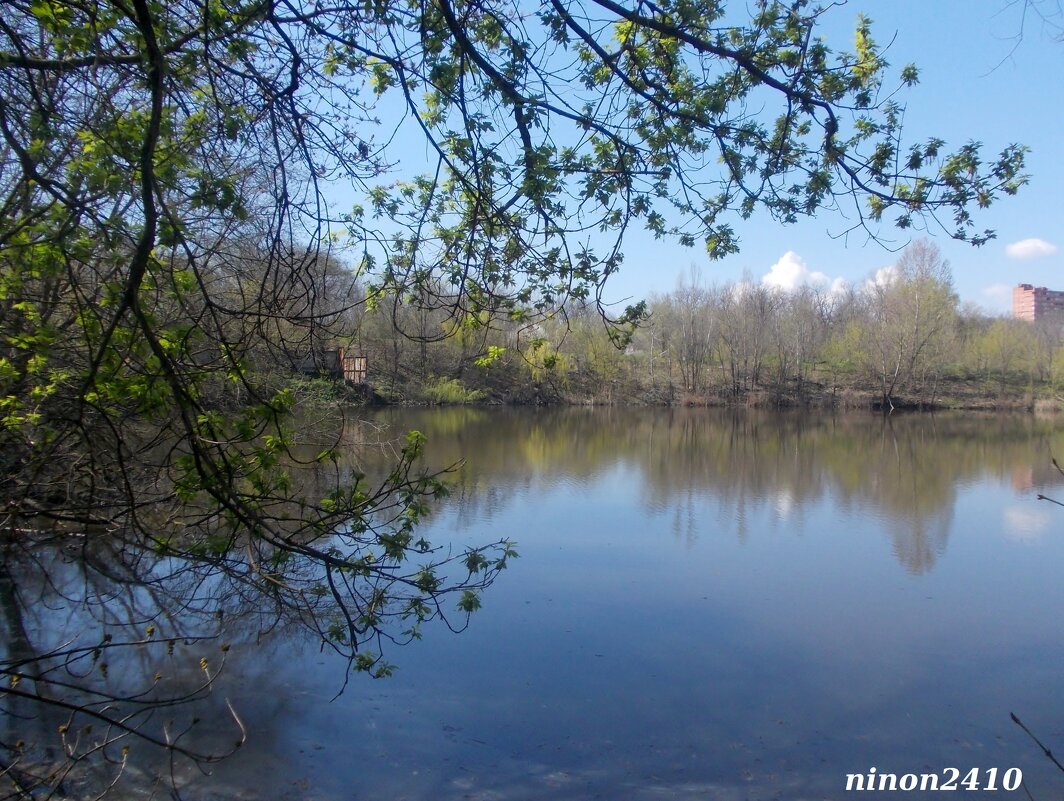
x: 900, y: 339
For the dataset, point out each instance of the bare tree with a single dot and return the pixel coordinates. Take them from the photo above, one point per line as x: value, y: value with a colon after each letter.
x: 912, y: 309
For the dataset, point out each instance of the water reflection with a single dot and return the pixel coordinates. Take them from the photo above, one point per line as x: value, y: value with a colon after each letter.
x: 102, y: 650
x: 905, y: 470
x: 709, y: 604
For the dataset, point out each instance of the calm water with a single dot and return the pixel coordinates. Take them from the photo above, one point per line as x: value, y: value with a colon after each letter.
x: 707, y: 605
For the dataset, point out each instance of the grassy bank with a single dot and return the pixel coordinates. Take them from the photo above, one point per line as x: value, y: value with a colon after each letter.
x: 819, y: 390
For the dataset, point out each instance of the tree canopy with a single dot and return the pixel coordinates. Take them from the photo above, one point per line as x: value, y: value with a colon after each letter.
x: 171, y: 231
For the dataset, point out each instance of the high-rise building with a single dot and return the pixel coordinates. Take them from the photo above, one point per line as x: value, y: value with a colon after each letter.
x: 1033, y: 303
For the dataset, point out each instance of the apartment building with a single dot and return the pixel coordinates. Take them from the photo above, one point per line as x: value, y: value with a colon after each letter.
x: 1036, y: 302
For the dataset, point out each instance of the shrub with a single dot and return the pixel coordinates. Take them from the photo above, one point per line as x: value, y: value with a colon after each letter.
x: 450, y: 391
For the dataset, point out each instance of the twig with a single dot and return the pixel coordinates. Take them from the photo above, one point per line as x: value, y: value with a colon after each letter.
x: 1038, y: 742
x: 1027, y: 790
x: 1051, y: 500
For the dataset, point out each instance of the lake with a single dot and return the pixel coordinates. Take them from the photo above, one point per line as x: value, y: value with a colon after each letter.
x: 708, y: 604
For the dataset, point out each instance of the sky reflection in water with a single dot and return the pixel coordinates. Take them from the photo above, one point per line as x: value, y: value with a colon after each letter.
x: 707, y: 604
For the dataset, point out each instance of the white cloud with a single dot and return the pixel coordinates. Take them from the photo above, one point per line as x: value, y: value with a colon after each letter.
x: 1026, y: 524
x: 785, y: 503
x: 791, y: 272
x: 885, y: 276
x: 740, y: 288
x: 1030, y: 249
x: 997, y: 298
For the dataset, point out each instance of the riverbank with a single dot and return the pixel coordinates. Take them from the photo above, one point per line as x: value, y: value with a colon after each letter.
x: 949, y: 393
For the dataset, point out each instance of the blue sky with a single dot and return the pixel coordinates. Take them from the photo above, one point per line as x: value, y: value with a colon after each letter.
x: 980, y: 80
x: 977, y: 82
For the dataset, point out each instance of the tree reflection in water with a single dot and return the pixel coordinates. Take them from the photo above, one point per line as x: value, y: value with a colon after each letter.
x: 113, y: 646
x: 112, y: 638
x: 904, y: 469
x: 109, y: 654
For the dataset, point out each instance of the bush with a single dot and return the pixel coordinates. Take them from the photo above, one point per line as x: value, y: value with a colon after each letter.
x: 450, y: 391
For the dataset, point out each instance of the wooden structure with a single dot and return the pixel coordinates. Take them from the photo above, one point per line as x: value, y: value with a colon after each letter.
x: 354, y: 369
x: 338, y: 365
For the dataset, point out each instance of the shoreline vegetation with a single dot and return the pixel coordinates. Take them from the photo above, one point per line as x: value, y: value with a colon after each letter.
x: 953, y: 394
x: 900, y: 340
